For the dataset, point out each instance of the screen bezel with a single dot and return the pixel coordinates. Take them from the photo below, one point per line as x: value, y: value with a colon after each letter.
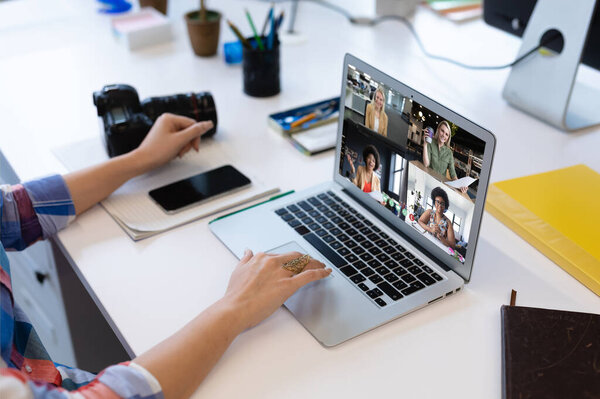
x: 462, y: 269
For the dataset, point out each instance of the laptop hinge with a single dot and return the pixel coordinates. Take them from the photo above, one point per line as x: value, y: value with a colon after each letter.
x: 400, y: 233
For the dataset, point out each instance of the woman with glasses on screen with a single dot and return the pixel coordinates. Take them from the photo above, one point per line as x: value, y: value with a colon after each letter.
x: 375, y: 117
x: 434, y: 221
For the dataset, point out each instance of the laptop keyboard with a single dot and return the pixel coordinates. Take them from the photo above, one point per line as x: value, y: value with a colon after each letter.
x: 375, y: 263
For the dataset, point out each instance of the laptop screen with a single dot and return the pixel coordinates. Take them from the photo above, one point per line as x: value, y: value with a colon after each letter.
x: 422, y: 167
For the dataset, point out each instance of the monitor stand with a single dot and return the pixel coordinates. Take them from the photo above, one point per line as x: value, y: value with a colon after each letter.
x: 545, y: 86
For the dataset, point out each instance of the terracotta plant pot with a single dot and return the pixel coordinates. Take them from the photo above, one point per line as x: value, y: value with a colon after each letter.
x: 204, y: 35
x: 160, y: 5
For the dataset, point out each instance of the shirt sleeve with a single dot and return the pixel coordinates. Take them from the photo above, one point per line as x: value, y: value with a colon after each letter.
x: 34, y: 210
x: 451, y: 166
x: 126, y: 380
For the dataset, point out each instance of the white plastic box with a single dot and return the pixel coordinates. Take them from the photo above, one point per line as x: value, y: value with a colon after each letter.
x: 142, y: 28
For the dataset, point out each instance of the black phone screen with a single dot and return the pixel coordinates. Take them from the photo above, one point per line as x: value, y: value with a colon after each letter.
x: 198, y: 188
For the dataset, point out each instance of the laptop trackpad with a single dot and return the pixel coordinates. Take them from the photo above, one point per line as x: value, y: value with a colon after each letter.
x: 327, y: 308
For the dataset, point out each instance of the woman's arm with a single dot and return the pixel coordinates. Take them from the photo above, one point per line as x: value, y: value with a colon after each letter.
x: 384, y: 124
x: 349, y: 158
x: 368, y: 113
x: 170, y: 136
x: 258, y: 286
x: 424, y: 219
x: 425, y: 153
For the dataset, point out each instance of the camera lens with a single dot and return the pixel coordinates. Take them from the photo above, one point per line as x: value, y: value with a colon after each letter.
x: 199, y: 106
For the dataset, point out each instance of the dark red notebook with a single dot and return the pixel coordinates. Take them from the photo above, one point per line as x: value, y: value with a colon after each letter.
x: 550, y: 354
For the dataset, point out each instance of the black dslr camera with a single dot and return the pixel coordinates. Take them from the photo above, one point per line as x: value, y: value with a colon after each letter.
x: 127, y: 121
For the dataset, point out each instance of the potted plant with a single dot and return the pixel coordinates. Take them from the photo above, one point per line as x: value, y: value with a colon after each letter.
x: 203, y: 28
x: 160, y: 5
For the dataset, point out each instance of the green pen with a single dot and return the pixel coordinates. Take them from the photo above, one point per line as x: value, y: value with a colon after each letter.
x: 256, y: 37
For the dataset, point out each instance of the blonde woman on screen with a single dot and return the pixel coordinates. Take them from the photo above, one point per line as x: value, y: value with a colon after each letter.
x: 375, y: 117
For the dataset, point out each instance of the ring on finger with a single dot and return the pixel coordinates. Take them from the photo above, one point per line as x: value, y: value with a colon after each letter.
x: 297, y: 265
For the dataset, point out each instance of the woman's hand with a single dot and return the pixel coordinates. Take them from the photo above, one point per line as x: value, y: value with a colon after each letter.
x: 170, y: 136
x: 464, y: 189
x: 259, y: 284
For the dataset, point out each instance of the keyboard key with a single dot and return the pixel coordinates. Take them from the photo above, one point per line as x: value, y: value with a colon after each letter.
x: 304, y: 205
x: 366, y: 257
x: 381, y: 243
x: 392, y: 242
x: 400, y: 271
x: 321, y: 219
x: 300, y: 214
x: 359, y: 264
x: 382, y: 234
x: 336, y: 245
x: 314, y: 213
x: 351, y: 244
x: 335, y: 231
x: 373, y: 237
x: 328, y: 225
x: 287, y: 217
x: 307, y: 220
x: 420, y: 263
x: 294, y: 223
x: 377, y: 229
x: 376, y: 278
x: 426, y: 268
x: 366, y: 231
x: 350, y: 231
x: 437, y: 276
x: 328, y: 238
x: 302, y: 230
x: 324, y: 249
x: 360, y: 217
x: 281, y: 211
x: 391, y: 277
x: 406, y: 262
x: 314, y: 201
x: 358, y: 250
x: 414, y: 287
x: 389, y: 250
x: 380, y: 302
x: 367, y: 271
x: 409, y: 255
x: 345, y: 226
x: 358, y: 225
x: 389, y: 290
x: 358, y: 278
x: 398, y: 256
x: 359, y: 237
x: 336, y: 208
x: 363, y: 286
x: 408, y: 278
x: 329, y: 202
x: 343, y: 251
x: 344, y: 214
x: 337, y: 220
x: 374, y: 293
x: 314, y: 226
x: 321, y: 233
x: 343, y: 237
x: 351, y: 258
x: 390, y: 264
x: 323, y: 208
x: 368, y: 222
x: 426, y: 278
x: 293, y: 208
x: 382, y: 258
x: 400, y: 248
x: 329, y: 214
x: 382, y: 270
x: 351, y: 219
x: 414, y: 270
x: 348, y: 270
x: 400, y: 285
x: 374, y: 251
x: 322, y: 196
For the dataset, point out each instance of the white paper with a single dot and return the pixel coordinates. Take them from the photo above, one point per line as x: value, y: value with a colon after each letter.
x: 462, y: 182
x: 132, y: 207
x: 317, y: 139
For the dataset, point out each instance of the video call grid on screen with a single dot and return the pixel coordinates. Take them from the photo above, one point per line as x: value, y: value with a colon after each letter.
x: 384, y: 135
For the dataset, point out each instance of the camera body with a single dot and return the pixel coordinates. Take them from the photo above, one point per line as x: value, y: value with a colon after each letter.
x: 127, y: 121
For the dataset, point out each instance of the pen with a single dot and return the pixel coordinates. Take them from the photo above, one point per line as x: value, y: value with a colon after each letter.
x: 269, y: 16
x: 271, y: 33
x: 256, y: 37
x: 236, y: 32
x: 305, y: 118
x: 279, y: 21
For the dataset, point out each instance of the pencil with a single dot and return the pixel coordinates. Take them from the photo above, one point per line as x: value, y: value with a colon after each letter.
x: 269, y: 14
x: 256, y: 37
x: 236, y: 32
x: 279, y: 21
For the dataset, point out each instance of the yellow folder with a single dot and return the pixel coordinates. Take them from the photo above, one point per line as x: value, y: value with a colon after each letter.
x: 556, y: 212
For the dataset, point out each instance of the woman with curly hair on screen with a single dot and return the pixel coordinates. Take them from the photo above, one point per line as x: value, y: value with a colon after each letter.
x: 364, y: 176
x: 434, y: 221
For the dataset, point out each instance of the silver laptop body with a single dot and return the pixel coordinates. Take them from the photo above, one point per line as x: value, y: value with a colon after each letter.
x: 349, y: 303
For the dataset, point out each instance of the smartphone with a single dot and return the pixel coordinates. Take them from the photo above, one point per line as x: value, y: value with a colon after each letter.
x: 194, y: 190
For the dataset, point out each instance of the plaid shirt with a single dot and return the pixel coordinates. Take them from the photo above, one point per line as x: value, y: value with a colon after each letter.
x: 29, y: 213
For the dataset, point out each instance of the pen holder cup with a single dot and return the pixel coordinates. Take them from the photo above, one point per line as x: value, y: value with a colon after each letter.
x: 261, y: 69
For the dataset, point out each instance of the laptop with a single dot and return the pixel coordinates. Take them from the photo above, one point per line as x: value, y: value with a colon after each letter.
x: 399, y: 221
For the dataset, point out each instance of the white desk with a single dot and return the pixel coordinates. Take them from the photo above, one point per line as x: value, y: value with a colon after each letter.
x: 48, y: 72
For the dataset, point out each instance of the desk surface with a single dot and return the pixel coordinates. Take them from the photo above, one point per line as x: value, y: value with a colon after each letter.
x: 49, y: 68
